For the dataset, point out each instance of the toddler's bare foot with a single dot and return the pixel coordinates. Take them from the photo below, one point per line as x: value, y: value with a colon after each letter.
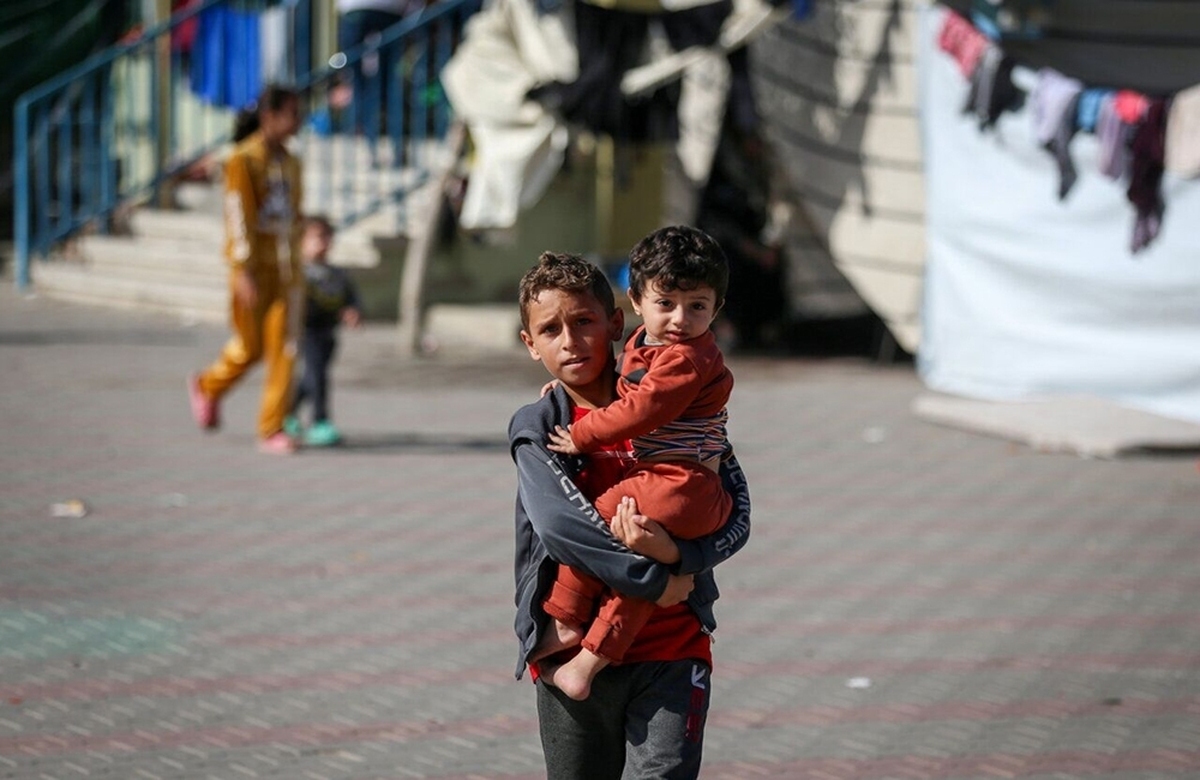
x: 557, y: 636
x: 569, y: 678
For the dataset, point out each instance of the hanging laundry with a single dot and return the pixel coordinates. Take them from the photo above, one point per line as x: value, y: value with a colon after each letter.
x: 1148, y: 149
x: 1088, y: 111
x: 1183, y: 134
x: 992, y: 90
x: 959, y: 38
x: 1113, y: 135
x: 226, y: 61
x: 1055, y: 107
x: 1131, y: 106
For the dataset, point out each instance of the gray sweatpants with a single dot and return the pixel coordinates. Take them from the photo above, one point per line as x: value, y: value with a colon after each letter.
x: 642, y: 721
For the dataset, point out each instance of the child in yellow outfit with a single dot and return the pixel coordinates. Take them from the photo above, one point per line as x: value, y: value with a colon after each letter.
x: 262, y: 210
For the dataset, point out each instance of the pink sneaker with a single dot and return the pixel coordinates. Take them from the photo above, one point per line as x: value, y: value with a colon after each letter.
x: 204, y: 409
x: 278, y: 443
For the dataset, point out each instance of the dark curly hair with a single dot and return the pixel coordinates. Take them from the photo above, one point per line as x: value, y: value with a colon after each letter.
x: 678, y: 258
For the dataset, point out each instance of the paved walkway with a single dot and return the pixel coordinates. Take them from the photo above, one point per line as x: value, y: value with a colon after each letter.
x: 915, y: 601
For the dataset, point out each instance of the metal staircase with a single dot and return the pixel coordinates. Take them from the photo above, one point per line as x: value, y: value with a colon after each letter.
x: 101, y: 152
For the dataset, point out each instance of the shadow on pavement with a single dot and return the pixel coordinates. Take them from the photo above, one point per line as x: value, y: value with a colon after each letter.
x: 417, y: 442
x: 124, y: 336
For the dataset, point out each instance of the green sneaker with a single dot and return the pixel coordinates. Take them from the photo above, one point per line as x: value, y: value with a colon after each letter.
x: 291, y: 425
x: 322, y: 434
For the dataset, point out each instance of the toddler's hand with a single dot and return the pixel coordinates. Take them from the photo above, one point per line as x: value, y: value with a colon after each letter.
x: 553, y: 383
x: 351, y: 317
x: 561, y: 442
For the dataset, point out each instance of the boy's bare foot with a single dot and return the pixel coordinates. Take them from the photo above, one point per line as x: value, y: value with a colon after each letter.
x: 557, y: 636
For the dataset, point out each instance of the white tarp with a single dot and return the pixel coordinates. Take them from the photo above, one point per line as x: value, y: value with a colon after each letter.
x: 508, y: 48
x: 1029, y: 296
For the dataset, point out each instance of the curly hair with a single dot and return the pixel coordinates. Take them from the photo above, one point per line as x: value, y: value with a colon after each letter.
x: 678, y: 258
x: 566, y: 272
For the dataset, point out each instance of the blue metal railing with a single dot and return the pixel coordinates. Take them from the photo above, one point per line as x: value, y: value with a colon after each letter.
x: 377, y: 143
x: 119, y: 127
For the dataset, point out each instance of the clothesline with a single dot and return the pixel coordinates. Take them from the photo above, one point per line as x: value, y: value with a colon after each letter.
x: 1140, y: 136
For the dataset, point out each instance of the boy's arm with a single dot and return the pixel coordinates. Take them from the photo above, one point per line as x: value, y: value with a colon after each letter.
x: 696, y: 555
x: 572, y: 531
x: 660, y: 396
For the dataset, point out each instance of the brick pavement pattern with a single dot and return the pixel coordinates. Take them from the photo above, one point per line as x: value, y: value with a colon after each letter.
x: 915, y: 601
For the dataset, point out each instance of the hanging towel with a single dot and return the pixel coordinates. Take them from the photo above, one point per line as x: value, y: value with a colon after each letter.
x: 1183, y: 134
x: 1148, y: 149
x: 959, y: 38
x: 1114, y: 135
x: 1055, y: 107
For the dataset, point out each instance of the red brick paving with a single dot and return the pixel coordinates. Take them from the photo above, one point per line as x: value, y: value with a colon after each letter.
x: 347, y: 614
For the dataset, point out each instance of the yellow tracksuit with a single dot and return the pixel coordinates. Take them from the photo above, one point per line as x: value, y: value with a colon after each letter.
x: 262, y: 208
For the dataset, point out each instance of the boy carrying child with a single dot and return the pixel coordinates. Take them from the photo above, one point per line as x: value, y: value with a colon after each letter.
x: 673, y: 388
x: 645, y: 716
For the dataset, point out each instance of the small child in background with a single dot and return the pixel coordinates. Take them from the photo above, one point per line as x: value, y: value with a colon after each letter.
x: 331, y: 300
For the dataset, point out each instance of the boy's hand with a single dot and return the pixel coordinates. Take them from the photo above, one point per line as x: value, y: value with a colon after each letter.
x: 678, y: 588
x: 351, y: 317
x: 641, y: 534
x: 561, y: 442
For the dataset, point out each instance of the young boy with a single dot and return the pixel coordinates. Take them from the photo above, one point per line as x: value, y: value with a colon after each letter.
x: 646, y: 716
x: 331, y: 299
x: 673, y: 388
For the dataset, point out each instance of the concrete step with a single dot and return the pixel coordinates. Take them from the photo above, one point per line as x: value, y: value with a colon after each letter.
x: 77, y: 283
x: 173, y: 263
x: 156, y: 259
x: 184, y: 224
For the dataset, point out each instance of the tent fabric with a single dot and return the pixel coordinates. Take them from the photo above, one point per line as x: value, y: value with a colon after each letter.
x: 1029, y: 296
x: 507, y: 49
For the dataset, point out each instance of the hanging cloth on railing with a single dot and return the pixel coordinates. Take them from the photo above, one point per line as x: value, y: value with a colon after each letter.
x: 226, y: 67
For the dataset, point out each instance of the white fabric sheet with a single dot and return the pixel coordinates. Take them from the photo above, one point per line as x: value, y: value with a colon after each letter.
x: 519, y: 146
x: 1029, y: 296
